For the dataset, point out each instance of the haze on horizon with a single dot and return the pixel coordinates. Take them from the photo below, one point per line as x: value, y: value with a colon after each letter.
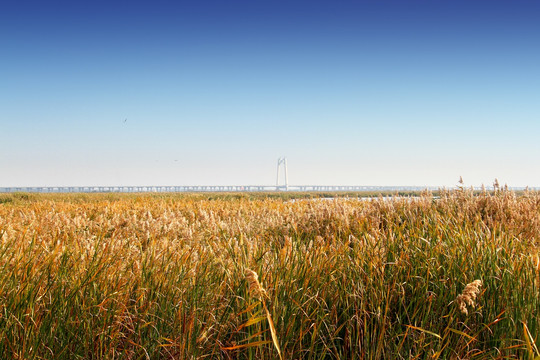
x: 380, y: 92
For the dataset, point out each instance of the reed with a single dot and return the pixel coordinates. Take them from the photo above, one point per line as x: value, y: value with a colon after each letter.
x: 256, y: 277
x: 468, y: 296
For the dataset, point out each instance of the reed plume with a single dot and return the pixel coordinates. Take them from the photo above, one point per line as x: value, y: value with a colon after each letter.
x: 286, y: 249
x: 468, y: 296
x: 255, y: 287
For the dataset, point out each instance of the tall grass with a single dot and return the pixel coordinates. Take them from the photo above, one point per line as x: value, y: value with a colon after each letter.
x: 164, y: 277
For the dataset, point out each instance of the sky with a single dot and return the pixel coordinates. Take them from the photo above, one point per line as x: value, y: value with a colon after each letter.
x: 379, y: 92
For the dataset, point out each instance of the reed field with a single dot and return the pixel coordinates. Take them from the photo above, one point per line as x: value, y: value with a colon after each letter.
x: 139, y: 276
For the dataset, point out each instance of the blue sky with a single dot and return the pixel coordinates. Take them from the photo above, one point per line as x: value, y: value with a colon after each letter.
x: 351, y: 92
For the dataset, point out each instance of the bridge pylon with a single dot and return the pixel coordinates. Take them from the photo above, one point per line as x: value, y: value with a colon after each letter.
x: 282, y: 162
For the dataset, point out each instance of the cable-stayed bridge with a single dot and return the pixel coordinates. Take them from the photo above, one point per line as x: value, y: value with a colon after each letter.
x: 205, y: 188
x: 281, y: 168
x: 280, y: 186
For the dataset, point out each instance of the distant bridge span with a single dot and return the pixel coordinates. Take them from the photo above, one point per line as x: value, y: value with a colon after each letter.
x: 204, y: 188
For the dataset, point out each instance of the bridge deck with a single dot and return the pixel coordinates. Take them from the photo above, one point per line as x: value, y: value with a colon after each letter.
x: 204, y: 188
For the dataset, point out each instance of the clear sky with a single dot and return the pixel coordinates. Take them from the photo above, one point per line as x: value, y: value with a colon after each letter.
x: 375, y: 92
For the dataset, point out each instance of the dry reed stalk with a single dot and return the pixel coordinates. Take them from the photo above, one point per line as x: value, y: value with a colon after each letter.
x: 468, y: 296
x: 258, y: 291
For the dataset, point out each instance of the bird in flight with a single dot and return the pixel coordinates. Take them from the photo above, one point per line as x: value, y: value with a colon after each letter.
x: 125, y: 120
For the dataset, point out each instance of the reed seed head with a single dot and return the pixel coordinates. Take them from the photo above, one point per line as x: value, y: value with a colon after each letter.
x: 286, y: 249
x: 255, y: 287
x: 468, y: 296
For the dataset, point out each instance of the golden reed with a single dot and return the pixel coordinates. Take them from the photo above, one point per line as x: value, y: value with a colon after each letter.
x: 468, y: 296
x: 256, y: 289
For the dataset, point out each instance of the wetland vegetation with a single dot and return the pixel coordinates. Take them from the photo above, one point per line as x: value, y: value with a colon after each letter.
x: 255, y: 276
